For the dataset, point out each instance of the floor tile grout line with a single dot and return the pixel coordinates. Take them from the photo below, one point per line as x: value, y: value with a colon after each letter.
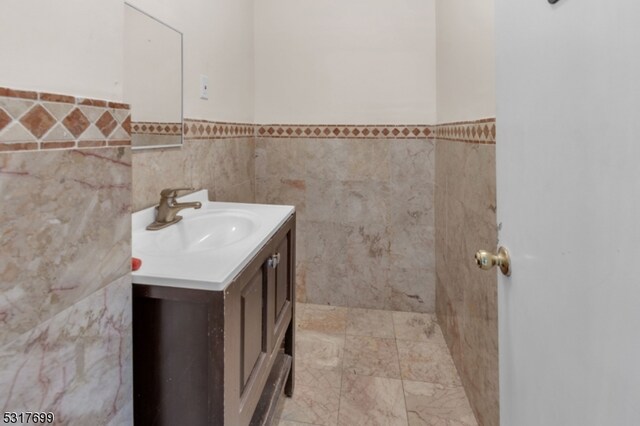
x: 366, y: 335
x: 342, y: 365
x: 297, y: 422
x: 404, y: 395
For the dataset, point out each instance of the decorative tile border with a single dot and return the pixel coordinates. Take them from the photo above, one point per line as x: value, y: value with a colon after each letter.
x: 156, y: 128
x: 39, y: 121
x: 32, y: 121
x: 478, y: 132
x: 344, y: 131
x: 203, y: 129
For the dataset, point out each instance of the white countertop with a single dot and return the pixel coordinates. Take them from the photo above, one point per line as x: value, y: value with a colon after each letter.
x: 204, y: 269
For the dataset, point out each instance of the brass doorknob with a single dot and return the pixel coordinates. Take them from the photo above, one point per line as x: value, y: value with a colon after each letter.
x: 486, y: 260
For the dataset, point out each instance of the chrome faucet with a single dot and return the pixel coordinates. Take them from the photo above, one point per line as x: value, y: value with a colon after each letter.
x: 168, y: 208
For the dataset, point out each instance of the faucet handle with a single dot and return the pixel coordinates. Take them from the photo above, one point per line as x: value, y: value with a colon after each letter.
x: 173, y: 192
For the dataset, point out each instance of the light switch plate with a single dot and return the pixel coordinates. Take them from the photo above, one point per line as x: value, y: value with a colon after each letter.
x: 204, y: 87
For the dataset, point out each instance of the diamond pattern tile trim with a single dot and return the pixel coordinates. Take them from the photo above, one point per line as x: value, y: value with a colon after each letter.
x: 37, y: 121
x: 476, y: 132
x: 5, y: 119
x: 203, y: 129
x: 155, y: 128
x: 345, y: 131
x: 479, y: 132
x: 106, y: 123
x: 76, y: 122
x: 55, y: 121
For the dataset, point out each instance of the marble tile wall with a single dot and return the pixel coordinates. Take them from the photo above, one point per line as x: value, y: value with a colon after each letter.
x: 76, y: 364
x: 65, y: 227
x: 466, y: 297
x: 222, y: 162
x: 365, y: 217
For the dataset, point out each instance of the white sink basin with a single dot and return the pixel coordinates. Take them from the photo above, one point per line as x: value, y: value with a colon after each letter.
x: 208, y: 247
x: 208, y: 231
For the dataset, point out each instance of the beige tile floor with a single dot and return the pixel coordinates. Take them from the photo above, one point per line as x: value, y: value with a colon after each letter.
x: 367, y: 367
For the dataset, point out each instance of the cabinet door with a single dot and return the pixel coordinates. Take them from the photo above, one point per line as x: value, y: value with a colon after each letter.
x: 252, y: 326
x: 282, y: 286
x: 280, y: 310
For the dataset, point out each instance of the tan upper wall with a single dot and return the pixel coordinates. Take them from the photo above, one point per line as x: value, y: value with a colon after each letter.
x: 370, y: 62
x: 465, y: 60
x: 331, y: 61
x: 218, y: 43
x: 76, y: 47
x: 63, y: 46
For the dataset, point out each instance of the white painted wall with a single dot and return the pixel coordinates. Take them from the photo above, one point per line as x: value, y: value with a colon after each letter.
x: 336, y: 61
x: 218, y: 42
x: 63, y: 46
x: 152, y: 78
x: 465, y: 60
x: 76, y: 47
x: 568, y: 97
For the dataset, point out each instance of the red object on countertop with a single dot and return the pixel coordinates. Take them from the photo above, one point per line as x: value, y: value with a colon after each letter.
x: 135, y: 263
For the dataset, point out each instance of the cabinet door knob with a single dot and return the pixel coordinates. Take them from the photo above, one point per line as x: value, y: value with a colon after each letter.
x: 273, y: 261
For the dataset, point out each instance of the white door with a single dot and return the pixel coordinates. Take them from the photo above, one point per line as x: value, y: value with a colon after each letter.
x: 568, y: 175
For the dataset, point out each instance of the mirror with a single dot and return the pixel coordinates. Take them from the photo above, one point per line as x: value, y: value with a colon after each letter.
x: 152, y: 80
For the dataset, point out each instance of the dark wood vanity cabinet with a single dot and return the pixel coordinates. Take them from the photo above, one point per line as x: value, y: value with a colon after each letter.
x: 217, y: 357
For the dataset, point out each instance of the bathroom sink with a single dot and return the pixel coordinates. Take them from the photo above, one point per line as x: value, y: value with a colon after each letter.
x: 208, y: 247
x: 207, y: 231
